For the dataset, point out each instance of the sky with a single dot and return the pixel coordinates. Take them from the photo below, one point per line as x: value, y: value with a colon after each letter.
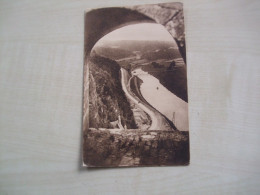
x: 141, y: 31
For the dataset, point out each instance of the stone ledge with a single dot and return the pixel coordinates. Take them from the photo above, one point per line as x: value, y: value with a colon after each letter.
x: 111, y: 148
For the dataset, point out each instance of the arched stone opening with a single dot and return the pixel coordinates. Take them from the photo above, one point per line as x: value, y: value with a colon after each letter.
x: 100, y: 22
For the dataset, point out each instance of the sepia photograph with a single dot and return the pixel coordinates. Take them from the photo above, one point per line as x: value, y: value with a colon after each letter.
x: 129, y: 97
x: 135, y: 106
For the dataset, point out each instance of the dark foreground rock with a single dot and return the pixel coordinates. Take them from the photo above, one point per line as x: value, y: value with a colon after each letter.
x: 107, y: 99
x: 110, y: 148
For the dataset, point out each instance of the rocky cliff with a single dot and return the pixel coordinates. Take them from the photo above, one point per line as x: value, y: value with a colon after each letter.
x: 107, y: 100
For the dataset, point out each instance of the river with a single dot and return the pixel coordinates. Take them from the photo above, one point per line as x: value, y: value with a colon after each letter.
x: 171, y: 106
x: 158, y: 121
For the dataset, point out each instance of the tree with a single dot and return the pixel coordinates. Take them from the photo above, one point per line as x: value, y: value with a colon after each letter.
x: 172, y: 65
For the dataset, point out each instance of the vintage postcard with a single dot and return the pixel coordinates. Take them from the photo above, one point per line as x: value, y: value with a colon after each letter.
x: 135, y: 106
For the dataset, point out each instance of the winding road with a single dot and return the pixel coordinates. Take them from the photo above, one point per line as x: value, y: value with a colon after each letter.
x: 158, y: 121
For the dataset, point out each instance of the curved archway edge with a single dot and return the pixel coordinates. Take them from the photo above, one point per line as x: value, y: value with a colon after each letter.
x: 100, y: 22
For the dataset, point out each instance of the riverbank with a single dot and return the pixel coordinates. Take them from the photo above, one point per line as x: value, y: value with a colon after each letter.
x: 158, y: 121
x: 167, y: 103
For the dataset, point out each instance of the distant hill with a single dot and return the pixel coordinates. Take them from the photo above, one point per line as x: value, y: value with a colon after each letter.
x: 167, y: 54
x: 140, y: 45
x: 112, y: 53
x: 149, y: 50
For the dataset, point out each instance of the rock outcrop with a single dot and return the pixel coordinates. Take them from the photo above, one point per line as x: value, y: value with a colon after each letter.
x: 107, y: 101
